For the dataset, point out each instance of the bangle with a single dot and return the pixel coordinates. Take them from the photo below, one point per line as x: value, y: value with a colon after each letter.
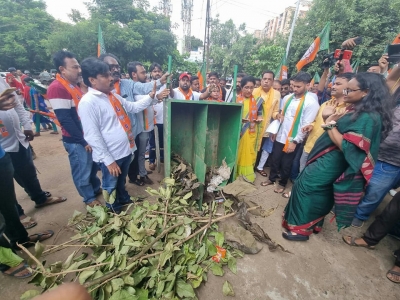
x: 328, y: 126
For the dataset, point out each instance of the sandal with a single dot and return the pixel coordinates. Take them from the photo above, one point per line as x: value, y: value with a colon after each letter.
x: 48, y: 194
x: 19, y: 270
x: 94, y: 203
x: 54, y: 132
x: 137, y: 182
x: 279, y: 190
x: 353, y: 242
x: 51, y: 201
x: 286, y: 195
x: 28, y: 222
x: 295, y: 237
x: 393, y: 273
x: 268, y: 182
x: 38, y: 237
x: 146, y: 180
x: 262, y: 172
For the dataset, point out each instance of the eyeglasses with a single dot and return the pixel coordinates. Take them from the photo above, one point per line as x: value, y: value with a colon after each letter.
x: 114, y: 67
x: 348, y: 91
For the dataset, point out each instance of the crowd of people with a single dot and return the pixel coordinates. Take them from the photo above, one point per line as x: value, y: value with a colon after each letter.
x: 336, y: 140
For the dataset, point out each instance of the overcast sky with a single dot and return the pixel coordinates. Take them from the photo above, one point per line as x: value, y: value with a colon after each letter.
x: 241, y: 11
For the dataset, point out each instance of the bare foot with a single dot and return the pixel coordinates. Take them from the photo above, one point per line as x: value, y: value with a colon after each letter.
x: 394, y: 274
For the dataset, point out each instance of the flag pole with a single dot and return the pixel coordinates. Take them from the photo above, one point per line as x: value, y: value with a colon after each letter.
x: 235, y: 71
x: 296, y: 13
x: 169, y: 69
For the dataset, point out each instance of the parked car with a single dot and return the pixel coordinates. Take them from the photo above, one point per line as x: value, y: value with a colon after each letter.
x: 3, y: 74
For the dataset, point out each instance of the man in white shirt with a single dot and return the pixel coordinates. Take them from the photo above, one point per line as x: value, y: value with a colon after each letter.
x: 107, y: 128
x: 15, y: 142
x: 298, y: 111
x: 185, y: 92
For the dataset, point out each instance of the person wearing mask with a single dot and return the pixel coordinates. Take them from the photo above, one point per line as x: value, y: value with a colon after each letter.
x: 343, y: 158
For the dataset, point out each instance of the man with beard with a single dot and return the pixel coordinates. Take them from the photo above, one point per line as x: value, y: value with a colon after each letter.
x: 144, y: 125
x: 184, y: 91
x: 155, y: 74
x: 239, y: 78
x: 299, y: 110
x: 108, y: 129
x: 64, y: 95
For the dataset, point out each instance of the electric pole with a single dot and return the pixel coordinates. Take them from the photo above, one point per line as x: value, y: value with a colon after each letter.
x: 206, y: 51
x: 166, y: 7
x: 186, y: 16
x: 296, y: 13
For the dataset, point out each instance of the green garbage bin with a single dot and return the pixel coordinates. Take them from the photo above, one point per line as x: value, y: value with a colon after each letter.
x: 201, y: 132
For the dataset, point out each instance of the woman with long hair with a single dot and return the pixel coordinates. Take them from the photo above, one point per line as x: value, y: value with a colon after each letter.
x: 251, y: 133
x: 341, y: 163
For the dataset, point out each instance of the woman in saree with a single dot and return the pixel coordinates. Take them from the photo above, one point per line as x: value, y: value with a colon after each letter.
x: 251, y: 132
x: 341, y: 163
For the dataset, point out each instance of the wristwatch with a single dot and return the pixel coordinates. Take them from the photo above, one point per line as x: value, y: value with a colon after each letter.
x: 294, y: 142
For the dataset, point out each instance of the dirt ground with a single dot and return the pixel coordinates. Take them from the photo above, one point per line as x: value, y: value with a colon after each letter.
x: 322, y: 268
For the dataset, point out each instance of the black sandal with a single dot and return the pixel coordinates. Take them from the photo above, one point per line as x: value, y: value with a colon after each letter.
x: 295, y: 237
x: 262, y: 172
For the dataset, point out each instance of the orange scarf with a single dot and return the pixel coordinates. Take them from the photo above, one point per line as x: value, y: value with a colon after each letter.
x: 187, y: 96
x: 296, y: 121
x: 123, y: 118
x: 253, y: 112
x: 74, y: 91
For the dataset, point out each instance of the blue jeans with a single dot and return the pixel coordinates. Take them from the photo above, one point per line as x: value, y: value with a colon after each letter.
x: 84, y: 171
x: 384, y: 178
x: 111, y: 183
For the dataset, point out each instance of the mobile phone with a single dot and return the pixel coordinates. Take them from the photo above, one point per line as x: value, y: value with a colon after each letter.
x: 347, y: 54
x: 394, y: 53
x: 8, y: 91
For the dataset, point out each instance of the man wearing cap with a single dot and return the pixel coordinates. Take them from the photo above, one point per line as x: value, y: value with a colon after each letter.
x: 14, y: 80
x: 185, y: 92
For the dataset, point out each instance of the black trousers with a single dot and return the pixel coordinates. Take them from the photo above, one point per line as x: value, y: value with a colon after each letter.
x: 133, y: 171
x: 281, y: 162
x: 152, y: 154
x: 14, y: 229
x: 384, y: 223
x: 25, y: 174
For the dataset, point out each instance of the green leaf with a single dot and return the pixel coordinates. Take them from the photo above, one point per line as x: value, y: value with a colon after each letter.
x: 169, y: 181
x: 227, y: 289
x: 183, y: 201
x: 219, y: 238
x: 184, y: 290
x: 139, y: 275
x: 68, y: 262
x: 85, y: 275
x: 29, y: 294
x: 166, y: 254
x: 102, y: 257
x: 122, y: 295
x: 217, y: 269
x: 98, y: 239
x: 113, y: 196
x: 212, y: 250
x: 117, y: 284
x: 142, y: 294
x: 232, y: 264
x: 160, y: 289
x: 188, y: 195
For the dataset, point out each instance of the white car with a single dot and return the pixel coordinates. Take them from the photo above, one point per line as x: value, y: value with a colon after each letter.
x: 3, y: 74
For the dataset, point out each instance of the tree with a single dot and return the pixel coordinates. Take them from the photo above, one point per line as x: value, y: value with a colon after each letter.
x: 195, y: 43
x: 24, y: 24
x: 229, y: 45
x: 265, y: 56
x: 375, y: 20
